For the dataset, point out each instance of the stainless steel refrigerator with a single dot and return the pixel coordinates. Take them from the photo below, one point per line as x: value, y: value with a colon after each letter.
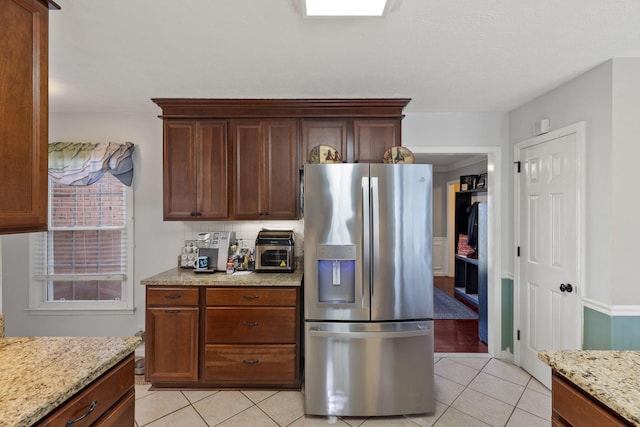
x: 368, y: 288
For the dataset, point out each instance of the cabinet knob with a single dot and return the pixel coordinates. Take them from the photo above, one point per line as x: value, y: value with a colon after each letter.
x: 172, y: 311
x: 250, y: 361
x: 251, y: 324
x: 192, y: 214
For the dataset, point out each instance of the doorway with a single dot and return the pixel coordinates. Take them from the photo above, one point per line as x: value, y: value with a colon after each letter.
x: 492, y: 156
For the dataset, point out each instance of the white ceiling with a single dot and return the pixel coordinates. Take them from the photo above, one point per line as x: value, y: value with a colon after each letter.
x: 447, y: 55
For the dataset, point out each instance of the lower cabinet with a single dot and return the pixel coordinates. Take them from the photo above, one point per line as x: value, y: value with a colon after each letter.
x: 172, y: 325
x: 573, y: 407
x: 108, y: 401
x: 243, y: 337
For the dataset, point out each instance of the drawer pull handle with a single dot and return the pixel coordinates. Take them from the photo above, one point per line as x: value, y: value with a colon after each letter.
x: 251, y: 361
x: 250, y: 324
x: 172, y: 311
x: 251, y: 296
x: 173, y: 296
x: 93, y: 405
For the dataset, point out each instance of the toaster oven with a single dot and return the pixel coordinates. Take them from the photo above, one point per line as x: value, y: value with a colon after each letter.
x: 274, y: 251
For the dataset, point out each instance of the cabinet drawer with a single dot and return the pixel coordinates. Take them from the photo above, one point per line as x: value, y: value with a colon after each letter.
x: 122, y: 414
x: 254, y: 365
x: 105, y: 392
x: 251, y: 325
x: 250, y: 296
x: 172, y: 296
x: 572, y: 406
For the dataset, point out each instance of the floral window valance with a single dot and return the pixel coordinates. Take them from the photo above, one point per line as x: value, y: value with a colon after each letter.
x: 83, y: 163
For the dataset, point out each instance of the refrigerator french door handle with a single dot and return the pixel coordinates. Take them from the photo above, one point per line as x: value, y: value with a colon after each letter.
x: 366, y: 242
x: 375, y: 231
x: 365, y: 335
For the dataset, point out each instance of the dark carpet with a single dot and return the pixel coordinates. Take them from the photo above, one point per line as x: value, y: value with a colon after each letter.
x: 447, y: 307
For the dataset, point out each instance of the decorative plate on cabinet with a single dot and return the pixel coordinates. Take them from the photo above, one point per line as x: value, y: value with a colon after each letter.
x: 398, y: 155
x: 324, y: 154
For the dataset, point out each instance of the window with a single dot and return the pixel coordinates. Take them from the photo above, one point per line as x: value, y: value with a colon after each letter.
x: 84, y: 261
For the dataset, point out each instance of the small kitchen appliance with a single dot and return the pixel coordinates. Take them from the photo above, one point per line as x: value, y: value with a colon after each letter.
x: 213, y: 245
x: 368, y: 289
x: 274, y: 251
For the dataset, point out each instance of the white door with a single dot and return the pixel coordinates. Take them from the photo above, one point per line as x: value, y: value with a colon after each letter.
x: 548, y: 276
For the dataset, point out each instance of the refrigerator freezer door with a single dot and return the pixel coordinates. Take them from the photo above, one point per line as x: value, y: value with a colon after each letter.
x: 336, y: 201
x: 369, y: 369
x: 401, y: 242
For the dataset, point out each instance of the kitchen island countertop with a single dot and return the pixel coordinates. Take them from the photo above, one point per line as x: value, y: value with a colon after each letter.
x: 186, y: 277
x: 38, y: 374
x: 610, y: 377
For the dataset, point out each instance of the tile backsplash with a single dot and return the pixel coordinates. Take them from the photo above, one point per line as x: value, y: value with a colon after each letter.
x: 247, y: 231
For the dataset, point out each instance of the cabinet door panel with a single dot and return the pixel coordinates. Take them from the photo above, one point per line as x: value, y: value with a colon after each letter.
x: 24, y: 116
x: 265, y: 169
x: 172, y: 344
x: 323, y: 132
x: 212, y: 166
x: 248, y: 171
x: 281, y: 171
x: 179, y: 170
x: 373, y: 137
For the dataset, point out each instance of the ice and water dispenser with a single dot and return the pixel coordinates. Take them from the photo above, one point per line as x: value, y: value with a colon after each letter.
x: 336, y: 273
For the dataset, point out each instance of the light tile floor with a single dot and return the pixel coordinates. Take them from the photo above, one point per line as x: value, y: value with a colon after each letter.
x: 470, y: 390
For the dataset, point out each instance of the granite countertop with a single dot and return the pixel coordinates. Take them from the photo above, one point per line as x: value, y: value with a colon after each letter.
x: 610, y: 377
x: 186, y: 277
x: 38, y: 374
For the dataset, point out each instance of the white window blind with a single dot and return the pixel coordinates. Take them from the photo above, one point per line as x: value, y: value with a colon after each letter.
x: 83, y: 256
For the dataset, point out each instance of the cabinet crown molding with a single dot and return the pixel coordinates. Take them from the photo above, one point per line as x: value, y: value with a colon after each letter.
x: 187, y: 108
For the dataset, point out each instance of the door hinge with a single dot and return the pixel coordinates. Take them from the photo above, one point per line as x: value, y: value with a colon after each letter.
x: 518, y: 337
x: 518, y: 251
x: 517, y: 165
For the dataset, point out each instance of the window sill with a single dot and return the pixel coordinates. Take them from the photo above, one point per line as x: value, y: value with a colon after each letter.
x: 65, y: 311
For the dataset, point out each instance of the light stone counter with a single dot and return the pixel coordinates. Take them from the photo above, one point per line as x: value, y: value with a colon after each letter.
x: 611, y: 377
x: 38, y: 374
x: 186, y: 277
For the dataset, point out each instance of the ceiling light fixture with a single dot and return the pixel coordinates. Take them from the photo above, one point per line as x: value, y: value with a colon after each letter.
x: 344, y: 7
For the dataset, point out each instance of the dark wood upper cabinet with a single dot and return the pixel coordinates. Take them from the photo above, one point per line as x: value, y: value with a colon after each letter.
x: 265, y: 179
x: 372, y: 137
x: 269, y: 140
x: 24, y: 111
x: 195, y: 170
x: 317, y: 132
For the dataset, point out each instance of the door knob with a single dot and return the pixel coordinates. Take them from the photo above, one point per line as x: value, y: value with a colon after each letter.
x: 566, y: 288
